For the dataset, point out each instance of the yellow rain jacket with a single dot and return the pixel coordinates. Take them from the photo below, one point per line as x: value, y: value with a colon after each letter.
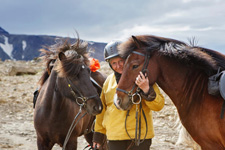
x: 111, y: 121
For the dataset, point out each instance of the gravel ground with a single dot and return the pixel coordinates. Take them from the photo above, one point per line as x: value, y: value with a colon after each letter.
x: 16, y: 113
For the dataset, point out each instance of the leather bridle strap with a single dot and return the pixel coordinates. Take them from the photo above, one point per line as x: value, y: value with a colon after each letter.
x: 135, y: 52
x: 95, y: 82
x: 144, y: 69
x: 137, y: 140
x: 72, y: 126
x: 81, y: 97
x: 84, y: 99
x: 129, y: 93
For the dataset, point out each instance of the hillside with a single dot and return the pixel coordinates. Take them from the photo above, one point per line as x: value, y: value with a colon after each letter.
x: 26, y: 47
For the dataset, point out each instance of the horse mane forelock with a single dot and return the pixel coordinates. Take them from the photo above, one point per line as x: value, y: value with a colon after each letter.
x: 203, y: 59
x: 49, y: 55
x: 76, y: 57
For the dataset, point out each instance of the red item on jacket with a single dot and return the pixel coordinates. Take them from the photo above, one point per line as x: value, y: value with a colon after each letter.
x: 94, y: 64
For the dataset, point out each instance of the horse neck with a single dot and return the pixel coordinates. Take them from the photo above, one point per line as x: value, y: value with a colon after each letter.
x: 182, y: 84
x: 98, y: 77
x: 47, y: 90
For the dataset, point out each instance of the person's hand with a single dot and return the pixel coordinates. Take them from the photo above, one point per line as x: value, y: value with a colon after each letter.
x: 142, y: 82
x: 94, y: 144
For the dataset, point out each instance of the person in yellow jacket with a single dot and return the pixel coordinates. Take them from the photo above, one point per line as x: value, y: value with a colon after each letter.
x: 111, y: 121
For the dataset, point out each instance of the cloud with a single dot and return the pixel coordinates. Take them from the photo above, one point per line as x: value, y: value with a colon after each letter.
x: 105, y: 20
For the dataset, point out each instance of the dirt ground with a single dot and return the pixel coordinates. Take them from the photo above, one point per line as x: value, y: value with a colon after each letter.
x: 16, y: 114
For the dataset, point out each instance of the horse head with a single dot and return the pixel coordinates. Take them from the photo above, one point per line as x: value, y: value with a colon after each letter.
x: 74, y: 78
x: 137, y: 60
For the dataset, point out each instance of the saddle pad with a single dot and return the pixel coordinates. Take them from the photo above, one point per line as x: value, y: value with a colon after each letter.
x: 222, y: 85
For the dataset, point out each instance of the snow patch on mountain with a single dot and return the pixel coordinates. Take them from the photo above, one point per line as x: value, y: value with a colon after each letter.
x: 8, y: 48
x: 91, y: 43
x: 24, y: 43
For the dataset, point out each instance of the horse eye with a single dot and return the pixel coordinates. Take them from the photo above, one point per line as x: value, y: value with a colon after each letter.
x: 135, y: 66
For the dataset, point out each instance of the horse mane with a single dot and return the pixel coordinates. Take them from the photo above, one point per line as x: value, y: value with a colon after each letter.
x: 204, y: 59
x: 48, y: 57
x: 220, y: 59
x: 76, y: 54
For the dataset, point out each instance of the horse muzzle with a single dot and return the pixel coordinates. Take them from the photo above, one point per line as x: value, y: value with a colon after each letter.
x: 94, y: 106
x: 122, y: 103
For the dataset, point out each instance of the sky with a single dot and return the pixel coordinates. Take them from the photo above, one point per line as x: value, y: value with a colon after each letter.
x: 106, y: 20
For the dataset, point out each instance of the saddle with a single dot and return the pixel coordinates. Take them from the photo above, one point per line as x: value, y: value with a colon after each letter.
x: 222, y: 85
x: 216, y: 84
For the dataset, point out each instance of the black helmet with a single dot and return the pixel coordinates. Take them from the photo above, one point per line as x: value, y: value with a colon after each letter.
x: 111, y: 50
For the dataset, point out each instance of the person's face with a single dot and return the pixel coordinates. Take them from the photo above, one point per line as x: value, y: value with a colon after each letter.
x: 117, y: 64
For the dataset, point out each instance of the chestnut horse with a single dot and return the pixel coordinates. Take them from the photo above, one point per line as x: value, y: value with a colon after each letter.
x: 182, y: 71
x: 66, y: 90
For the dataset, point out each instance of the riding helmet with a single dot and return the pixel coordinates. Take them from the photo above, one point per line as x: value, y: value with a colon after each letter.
x: 111, y: 50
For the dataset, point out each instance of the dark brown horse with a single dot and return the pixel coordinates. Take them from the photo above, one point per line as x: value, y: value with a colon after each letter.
x: 65, y: 89
x: 182, y: 71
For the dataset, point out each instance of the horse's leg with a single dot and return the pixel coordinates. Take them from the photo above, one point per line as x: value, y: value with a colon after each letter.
x: 44, y: 144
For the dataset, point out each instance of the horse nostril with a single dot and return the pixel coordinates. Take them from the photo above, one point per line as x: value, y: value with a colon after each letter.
x: 98, y: 108
x: 119, y: 101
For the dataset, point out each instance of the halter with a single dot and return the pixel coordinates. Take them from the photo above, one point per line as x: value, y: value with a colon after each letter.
x: 137, y: 140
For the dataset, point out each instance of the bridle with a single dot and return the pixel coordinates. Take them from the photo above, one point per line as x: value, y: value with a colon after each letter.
x: 131, y: 95
x: 83, y: 103
x: 144, y: 69
x: 74, y: 90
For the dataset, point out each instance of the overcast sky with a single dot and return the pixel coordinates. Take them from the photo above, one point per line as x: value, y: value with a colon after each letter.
x: 105, y: 20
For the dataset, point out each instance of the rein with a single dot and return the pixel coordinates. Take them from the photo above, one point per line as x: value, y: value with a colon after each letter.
x: 137, y: 140
x: 131, y: 95
x: 72, y: 127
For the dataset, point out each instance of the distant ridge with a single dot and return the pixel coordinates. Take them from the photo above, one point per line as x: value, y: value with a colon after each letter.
x: 26, y: 47
x: 2, y: 31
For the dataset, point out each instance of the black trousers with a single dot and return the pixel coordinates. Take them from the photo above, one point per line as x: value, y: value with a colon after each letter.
x: 125, y: 144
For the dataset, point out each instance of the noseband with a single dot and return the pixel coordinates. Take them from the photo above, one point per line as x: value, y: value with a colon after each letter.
x: 144, y: 69
x: 74, y: 90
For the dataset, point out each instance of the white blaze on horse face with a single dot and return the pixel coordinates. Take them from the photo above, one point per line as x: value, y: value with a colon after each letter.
x: 116, y: 101
x: 83, y: 66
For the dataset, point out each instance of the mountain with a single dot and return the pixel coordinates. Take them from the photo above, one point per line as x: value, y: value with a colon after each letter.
x: 26, y: 47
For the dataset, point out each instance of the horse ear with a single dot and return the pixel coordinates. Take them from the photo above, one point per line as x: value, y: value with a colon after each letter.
x: 137, y: 43
x: 61, y: 56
